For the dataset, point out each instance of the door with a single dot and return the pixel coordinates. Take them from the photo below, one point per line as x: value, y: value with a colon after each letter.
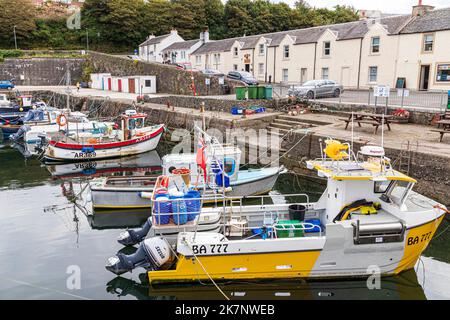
x: 303, y: 75
x: 247, y: 68
x: 109, y: 84
x: 119, y: 85
x: 345, y: 76
x: 424, y: 77
x: 131, y: 86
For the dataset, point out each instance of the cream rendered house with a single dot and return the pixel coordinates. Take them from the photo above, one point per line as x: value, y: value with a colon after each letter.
x: 413, y: 49
x: 152, y: 49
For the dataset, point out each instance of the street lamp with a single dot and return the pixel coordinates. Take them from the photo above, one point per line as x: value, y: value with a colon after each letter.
x: 15, y: 38
x: 87, y: 39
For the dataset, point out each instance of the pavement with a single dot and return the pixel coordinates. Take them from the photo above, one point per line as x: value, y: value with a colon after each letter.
x: 420, y: 137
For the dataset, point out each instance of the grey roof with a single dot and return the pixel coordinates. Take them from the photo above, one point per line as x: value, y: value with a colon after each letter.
x: 435, y: 20
x: 182, y: 45
x: 216, y: 46
x: 154, y: 40
x: 396, y: 24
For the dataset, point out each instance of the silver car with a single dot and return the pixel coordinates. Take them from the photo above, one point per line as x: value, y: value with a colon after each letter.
x: 316, y: 89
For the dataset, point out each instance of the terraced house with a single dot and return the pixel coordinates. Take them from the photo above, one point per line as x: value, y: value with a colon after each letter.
x: 412, y: 50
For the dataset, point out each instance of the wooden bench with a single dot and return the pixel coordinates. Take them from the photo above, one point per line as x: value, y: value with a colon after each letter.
x: 372, y: 122
x: 441, y: 132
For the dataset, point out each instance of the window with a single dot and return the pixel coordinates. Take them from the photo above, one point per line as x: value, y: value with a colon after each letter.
x: 183, y: 54
x: 443, y: 73
x: 198, y: 59
x: 262, y: 49
x: 235, y: 51
x: 428, y: 40
x: 373, y: 73
x: 326, y: 48
x: 261, y: 69
x: 286, y: 52
x: 325, y: 73
x: 375, y: 45
x: 216, y: 60
x: 235, y: 67
x: 381, y: 186
x: 285, y: 75
x: 148, y: 83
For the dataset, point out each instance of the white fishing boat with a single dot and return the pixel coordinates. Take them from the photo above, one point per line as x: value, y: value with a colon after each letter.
x: 129, y: 192
x: 143, y: 164
x: 134, y: 138
x: 368, y: 220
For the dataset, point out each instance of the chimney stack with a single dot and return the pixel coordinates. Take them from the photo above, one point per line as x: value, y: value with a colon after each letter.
x: 421, y: 9
x: 204, y: 36
x: 174, y: 31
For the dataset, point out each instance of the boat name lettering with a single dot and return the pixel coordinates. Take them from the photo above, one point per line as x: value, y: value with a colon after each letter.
x: 85, y: 154
x: 86, y: 165
x: 415, y: 240
x: 213, y: 248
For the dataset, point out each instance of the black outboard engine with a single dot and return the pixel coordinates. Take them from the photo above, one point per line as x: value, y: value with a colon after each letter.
x: 132, y: 237
x: 153, y: 254
x: 41, y: 144
x: 20, y: 133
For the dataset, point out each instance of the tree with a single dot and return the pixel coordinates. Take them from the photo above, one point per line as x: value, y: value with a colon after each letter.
x: 238, y: 18
x: 19, y: 13
x: 157, y: 17
x: 189, y: 17
x: 215, y: 14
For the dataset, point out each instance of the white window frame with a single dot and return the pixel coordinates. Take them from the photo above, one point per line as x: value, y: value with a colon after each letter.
x: 285, y: 75
x: 286, y: 51
x: 327, y: 73
x: 370, y: 74
x: 424, y: 44
x: 198, y: 59
x: 325, y: 54
x: 262, y: 49
x: 372, y: 45
x: 235, y: 52
x: 235, y: 67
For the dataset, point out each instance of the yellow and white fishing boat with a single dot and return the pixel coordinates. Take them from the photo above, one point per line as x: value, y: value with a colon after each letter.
x: 368, y: 220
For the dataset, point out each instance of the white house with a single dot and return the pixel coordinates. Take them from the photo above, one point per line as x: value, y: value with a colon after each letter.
x: 152, y: 48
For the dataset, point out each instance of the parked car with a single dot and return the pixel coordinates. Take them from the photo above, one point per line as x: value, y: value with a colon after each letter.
x: 6, y: 84
x: 317, y: 89
x: 185, y: 67
x: 243, y: 76
x: 212, y: 72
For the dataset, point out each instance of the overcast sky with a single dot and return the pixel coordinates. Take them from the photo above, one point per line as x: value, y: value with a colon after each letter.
x: 386, y: 6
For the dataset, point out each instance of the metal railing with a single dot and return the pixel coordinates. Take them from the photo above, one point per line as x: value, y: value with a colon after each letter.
x: 434, y: 100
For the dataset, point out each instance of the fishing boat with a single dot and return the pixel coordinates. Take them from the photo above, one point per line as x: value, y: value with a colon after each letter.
x: 133, y: 138
x: 144, y: 164
x: 129, y: 192
x: 368, y: 220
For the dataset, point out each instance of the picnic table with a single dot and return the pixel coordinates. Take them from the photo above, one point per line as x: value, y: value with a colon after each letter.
x: 445, y: 123
x: 374, y: 119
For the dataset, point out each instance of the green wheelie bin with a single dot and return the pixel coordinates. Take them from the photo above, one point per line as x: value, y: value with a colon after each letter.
x: 252, y: 92
x: 261, y: 92
x: 240, y: 93
x: 268, y: 92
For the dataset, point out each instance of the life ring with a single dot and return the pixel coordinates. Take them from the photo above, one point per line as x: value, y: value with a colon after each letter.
x: 181, y: 171
x: 61, y: 120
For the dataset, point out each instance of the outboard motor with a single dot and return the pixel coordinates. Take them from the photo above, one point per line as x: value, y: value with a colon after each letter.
x: 20, y: 133
x: 132, y: 237
x: 153, y: 254
x: 41, y: 144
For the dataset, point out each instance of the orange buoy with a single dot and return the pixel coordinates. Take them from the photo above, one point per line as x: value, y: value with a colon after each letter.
x: 61, y: 120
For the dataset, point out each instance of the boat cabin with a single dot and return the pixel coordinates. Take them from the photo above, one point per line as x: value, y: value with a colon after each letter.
x: 228, y: 155
x: 25, y: 101
x: 132, y: 122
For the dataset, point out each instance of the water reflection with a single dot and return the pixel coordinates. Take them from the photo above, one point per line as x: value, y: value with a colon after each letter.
x: 404, y: 287
x: 32, y: 193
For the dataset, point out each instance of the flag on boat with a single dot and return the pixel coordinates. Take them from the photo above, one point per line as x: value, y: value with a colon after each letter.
x: 201, y: 156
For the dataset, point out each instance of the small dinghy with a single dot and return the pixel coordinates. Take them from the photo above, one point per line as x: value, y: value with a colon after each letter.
x: 134, y: 138
x: 367, y: 221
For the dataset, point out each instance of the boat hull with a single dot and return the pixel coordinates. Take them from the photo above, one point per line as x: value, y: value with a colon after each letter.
x: 120, y: 198
x: 325, y: 263
x: 58, y: 152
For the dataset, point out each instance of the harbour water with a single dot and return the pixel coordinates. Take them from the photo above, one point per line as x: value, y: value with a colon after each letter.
x: 49, y: 234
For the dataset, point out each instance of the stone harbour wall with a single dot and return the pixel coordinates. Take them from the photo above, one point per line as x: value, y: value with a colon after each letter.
x: 168, y: 78
x: 41, y: 71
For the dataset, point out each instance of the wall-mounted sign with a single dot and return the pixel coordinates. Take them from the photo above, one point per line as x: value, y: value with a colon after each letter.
x: 208, y: 81
x: 222, y: 80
